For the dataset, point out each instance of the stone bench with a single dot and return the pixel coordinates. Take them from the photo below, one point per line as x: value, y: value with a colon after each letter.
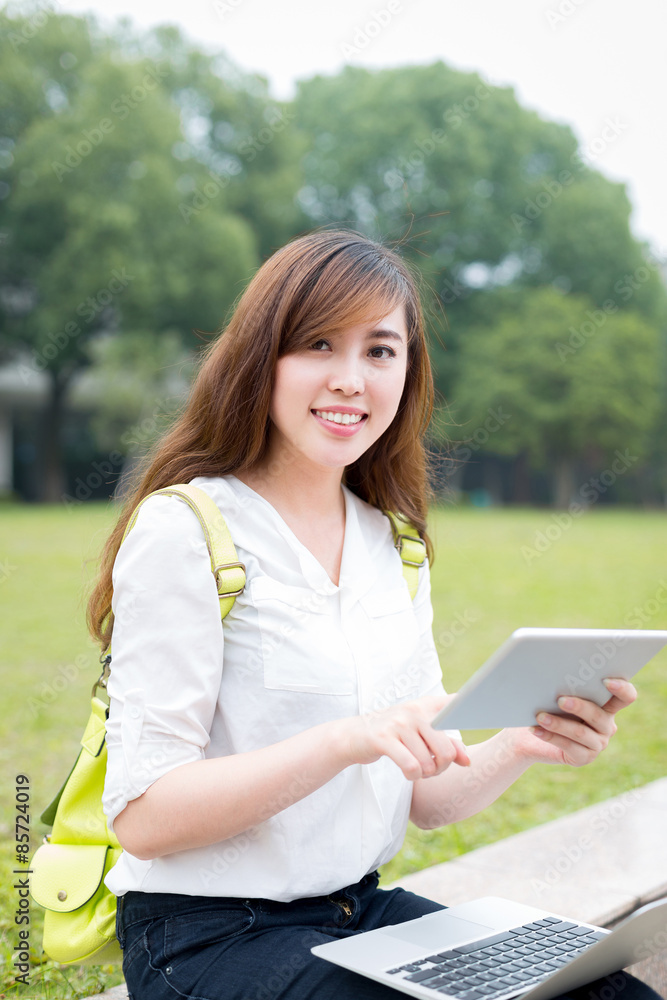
x: 597, y: 865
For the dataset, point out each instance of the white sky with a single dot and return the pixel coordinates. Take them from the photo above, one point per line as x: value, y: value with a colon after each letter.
x: 576, y: 61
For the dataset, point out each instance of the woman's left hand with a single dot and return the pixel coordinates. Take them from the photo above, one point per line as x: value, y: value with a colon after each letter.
x: 579, y: 737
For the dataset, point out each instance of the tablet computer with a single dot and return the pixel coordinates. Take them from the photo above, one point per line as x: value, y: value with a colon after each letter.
x: 535, y: 666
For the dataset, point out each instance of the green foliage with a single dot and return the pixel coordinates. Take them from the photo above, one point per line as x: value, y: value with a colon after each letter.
x: 138, y: 382
x: 462, y: 174
x: 234, y: 130
x: 571, y: 379
x: 486, y: 197
x: 126, y: 211
x: 97, y: 232
x: 147, y: 180
x: 587, y: 246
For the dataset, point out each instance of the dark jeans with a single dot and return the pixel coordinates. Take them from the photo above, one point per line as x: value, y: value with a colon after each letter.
x: 210, y: 948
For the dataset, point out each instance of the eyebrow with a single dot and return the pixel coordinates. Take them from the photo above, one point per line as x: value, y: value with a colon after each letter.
x: 385, y: 334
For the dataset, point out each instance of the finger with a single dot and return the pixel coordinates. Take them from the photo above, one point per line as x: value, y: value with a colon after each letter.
x: 433, y: 749
x: 460, y: 753
x: 569, y: 752
x: 462, y: 757
x: 444, y: 749
x: 622, y: 691
x: 548, y: 754
x: 592, y: 714
x: 574, y: 731
x: 403, y: 757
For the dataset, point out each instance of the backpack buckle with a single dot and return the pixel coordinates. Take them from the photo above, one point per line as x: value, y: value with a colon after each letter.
x: 412, y: 556
x: 231, y: 565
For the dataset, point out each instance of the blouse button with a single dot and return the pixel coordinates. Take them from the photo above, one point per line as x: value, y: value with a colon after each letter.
x: 134, y: 712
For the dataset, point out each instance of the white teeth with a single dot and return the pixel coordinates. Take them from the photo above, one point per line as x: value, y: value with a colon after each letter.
x: 339, y: 418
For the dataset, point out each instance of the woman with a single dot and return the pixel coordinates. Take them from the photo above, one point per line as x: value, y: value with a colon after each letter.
x: 259, y: 773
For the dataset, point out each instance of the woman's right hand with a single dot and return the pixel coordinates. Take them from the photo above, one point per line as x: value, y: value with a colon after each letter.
x: 404, y: 734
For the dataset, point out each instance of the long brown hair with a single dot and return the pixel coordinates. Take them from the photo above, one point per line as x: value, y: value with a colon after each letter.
x: 325, y: 281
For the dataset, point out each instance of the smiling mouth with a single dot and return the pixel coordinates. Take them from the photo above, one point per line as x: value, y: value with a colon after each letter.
x: 336, y: 417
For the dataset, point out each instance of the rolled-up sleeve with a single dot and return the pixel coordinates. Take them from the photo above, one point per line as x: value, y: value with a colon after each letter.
x: 167, y: 651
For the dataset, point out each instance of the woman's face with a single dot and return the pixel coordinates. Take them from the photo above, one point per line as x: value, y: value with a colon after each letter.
x: 335, y: 397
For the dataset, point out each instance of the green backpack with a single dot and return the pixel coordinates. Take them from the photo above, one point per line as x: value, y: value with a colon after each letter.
x: 68, y: 870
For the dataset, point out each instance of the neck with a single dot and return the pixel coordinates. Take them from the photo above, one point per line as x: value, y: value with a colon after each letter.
x: 298, y: 487
x: 309, y: 499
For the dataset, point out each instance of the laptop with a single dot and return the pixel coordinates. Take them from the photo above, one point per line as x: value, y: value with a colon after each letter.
x: 494, y: 949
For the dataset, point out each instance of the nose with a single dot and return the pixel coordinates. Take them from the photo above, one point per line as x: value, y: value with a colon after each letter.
x: 348, y: 376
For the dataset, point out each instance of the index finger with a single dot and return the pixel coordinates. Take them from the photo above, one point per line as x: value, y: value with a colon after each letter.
x: 443, y: 748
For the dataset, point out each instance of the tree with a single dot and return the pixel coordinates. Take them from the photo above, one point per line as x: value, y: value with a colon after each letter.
x: 145, y: 180
x: 481, y: 193
x: 572, y: 381
x: 96, y: 239
x: 232, y: 128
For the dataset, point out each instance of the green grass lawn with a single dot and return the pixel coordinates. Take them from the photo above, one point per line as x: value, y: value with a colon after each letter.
x: 607, y: 568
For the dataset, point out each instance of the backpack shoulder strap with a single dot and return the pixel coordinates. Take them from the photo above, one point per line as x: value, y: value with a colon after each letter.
x: 229, y: 573
x: 411, y: 548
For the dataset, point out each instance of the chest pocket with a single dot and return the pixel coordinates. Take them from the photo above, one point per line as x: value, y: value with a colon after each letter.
x: 302, y: 643
x: 395, y: 634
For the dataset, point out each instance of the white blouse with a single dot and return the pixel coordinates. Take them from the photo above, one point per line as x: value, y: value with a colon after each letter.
x: 295, y: 650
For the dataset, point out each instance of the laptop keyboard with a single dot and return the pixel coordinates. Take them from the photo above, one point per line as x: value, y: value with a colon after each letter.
x: 513, y: 960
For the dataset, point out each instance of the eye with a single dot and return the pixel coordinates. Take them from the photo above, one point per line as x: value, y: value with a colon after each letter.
x: 320, y: 345
x: 382, y: 352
